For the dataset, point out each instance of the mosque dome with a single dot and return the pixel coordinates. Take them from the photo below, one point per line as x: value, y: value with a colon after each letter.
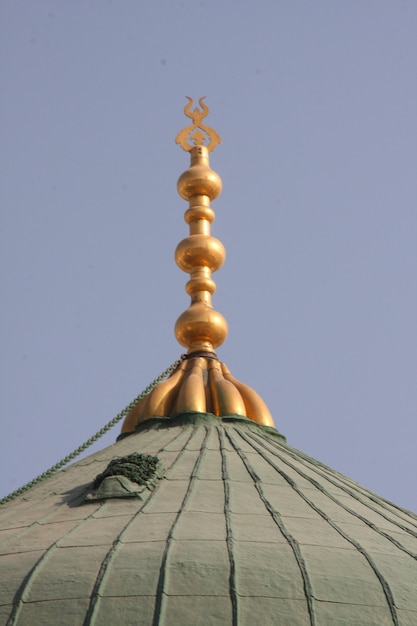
x: 201, y: 513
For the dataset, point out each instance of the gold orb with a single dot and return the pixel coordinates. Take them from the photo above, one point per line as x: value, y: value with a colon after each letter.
x: 199, y: 180
x: 201, y: 325
x: 202, y: 250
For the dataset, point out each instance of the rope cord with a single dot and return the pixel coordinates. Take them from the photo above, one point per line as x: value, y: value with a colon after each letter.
x: 94, y: 438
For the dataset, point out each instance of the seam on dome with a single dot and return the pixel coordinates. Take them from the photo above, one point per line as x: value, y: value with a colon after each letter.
x: 160, y: 593
x: 229, y: 538
x: 276, y: 516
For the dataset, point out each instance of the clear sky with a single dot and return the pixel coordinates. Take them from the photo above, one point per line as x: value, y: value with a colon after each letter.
x: 316, y: 105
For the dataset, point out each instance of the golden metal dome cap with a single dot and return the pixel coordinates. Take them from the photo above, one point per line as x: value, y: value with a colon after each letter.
x: 200, y: 384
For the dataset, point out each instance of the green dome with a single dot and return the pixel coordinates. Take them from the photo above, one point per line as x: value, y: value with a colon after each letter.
x: 234, y: 526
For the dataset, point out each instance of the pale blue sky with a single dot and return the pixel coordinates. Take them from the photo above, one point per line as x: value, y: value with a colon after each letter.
x: 316, y: 104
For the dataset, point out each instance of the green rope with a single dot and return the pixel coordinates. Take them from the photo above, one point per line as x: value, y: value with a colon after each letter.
x: 92, y: 439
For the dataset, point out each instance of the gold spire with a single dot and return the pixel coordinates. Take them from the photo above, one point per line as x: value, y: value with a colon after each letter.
x: 201, y: 383
x: 200, y: 327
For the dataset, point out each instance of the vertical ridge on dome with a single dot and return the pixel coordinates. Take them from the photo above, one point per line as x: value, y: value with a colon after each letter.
x: 161, y: 592
x: 234, y: 597
x: 277, y: 518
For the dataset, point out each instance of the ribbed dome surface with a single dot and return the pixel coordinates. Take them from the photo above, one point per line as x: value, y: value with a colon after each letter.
x: 241, y: 529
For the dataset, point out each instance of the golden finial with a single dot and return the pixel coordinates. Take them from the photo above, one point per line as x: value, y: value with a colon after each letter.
x: 198, y: 133
x: 201, y: 383
x: 200, y: 327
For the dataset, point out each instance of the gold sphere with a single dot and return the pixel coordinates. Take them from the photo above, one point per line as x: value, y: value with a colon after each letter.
x: 199, y: 180
x: 200, y: 325
x: 202, y: 250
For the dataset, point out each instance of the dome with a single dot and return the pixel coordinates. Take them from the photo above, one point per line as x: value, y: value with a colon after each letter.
x: 201, y: 513
x: 238, y: 527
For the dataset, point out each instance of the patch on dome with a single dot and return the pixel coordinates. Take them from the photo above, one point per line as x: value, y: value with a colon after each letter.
x: 127, y: 477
